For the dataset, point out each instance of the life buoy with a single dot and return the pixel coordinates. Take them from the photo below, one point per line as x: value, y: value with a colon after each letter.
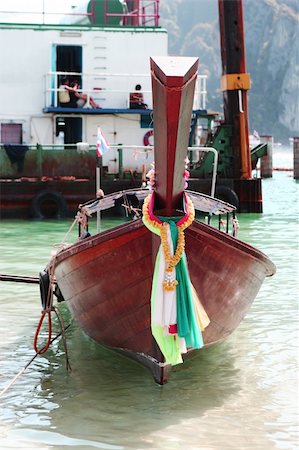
x: 48, y: 205
x: 146, y: 138
x: 227, y: 194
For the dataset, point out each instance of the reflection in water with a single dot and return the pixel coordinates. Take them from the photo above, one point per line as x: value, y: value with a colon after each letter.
x: 240, y: 394
x: 112, y: 394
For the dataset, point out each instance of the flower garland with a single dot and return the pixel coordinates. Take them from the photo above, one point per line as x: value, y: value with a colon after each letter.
x: 177, y: 316
x: 182, y: 224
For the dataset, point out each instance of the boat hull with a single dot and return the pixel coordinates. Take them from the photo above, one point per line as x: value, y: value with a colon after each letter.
x: 106, y: 283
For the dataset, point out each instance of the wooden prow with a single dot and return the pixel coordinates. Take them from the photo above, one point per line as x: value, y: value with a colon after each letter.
x: 173, y: 85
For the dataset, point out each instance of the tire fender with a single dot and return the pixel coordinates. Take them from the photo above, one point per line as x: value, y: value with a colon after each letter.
x: 37, y: 210
x: 44, y: 285
x: 227, y: 194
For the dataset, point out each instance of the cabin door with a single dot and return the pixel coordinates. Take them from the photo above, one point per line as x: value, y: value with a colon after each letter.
x: 68, y: 130
x: 68, y: 59
x: 41, y: 130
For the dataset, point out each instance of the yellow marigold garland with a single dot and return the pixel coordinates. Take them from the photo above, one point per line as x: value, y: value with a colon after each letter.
x: 171, y: 261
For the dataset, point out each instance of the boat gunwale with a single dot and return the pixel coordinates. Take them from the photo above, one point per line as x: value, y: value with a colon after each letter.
x: 98, y: 238
x: 119, y: 230
x: 237, y: 244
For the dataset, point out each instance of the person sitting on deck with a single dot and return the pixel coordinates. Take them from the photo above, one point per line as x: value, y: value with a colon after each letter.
x: 67, y: 97
x: 136, y: 99
x: 82, y: 98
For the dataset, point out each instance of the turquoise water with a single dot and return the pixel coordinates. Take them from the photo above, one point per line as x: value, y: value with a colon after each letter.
x: 241, y: 394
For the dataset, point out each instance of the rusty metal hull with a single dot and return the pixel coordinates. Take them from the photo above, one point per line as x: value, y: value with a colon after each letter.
x: 106, y: 283
x: 18, y: 197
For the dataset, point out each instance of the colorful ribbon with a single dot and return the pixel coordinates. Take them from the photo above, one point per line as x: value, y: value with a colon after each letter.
x: 177, y: 316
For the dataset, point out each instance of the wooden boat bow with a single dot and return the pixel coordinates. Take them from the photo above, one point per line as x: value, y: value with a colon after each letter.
x: 173, y: 85
x: 107, y: 280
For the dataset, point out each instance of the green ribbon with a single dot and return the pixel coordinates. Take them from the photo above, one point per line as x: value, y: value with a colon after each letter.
x: 188, y: 327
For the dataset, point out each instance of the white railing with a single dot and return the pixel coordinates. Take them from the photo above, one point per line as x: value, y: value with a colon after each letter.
x: 112, y: 90
x: 215, y: 164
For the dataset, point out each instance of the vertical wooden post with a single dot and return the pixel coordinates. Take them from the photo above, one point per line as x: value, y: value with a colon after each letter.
x: 173, y: 85
x: 267, y: 160
x: 235, y: 83
x: 296, y: 157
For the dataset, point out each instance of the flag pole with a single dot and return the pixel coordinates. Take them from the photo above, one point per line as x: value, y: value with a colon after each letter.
x: 102, y: 146
x: 98, y: 187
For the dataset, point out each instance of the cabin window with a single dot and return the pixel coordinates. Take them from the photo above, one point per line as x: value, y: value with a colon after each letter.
x: 68, y: 130
x: 11, y: 133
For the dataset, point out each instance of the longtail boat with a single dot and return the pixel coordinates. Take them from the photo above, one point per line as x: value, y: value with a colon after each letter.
x: 164, y: 285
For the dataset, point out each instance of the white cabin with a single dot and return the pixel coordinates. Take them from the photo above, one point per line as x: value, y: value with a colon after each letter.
x: 106, y: 46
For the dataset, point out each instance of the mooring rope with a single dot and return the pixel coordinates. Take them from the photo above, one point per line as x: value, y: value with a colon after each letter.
x: 63, y: 335
x: 49, y: 307
x: 45, y: 312
x: 69, y: 230
x: 31, y: 361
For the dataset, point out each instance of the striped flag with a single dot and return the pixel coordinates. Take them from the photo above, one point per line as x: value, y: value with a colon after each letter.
x: 102, y: 144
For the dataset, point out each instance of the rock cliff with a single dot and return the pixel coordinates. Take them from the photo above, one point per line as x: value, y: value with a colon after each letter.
x: 272, y: 55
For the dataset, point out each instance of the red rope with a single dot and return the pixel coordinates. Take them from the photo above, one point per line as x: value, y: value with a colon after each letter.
x: 45, y: 348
